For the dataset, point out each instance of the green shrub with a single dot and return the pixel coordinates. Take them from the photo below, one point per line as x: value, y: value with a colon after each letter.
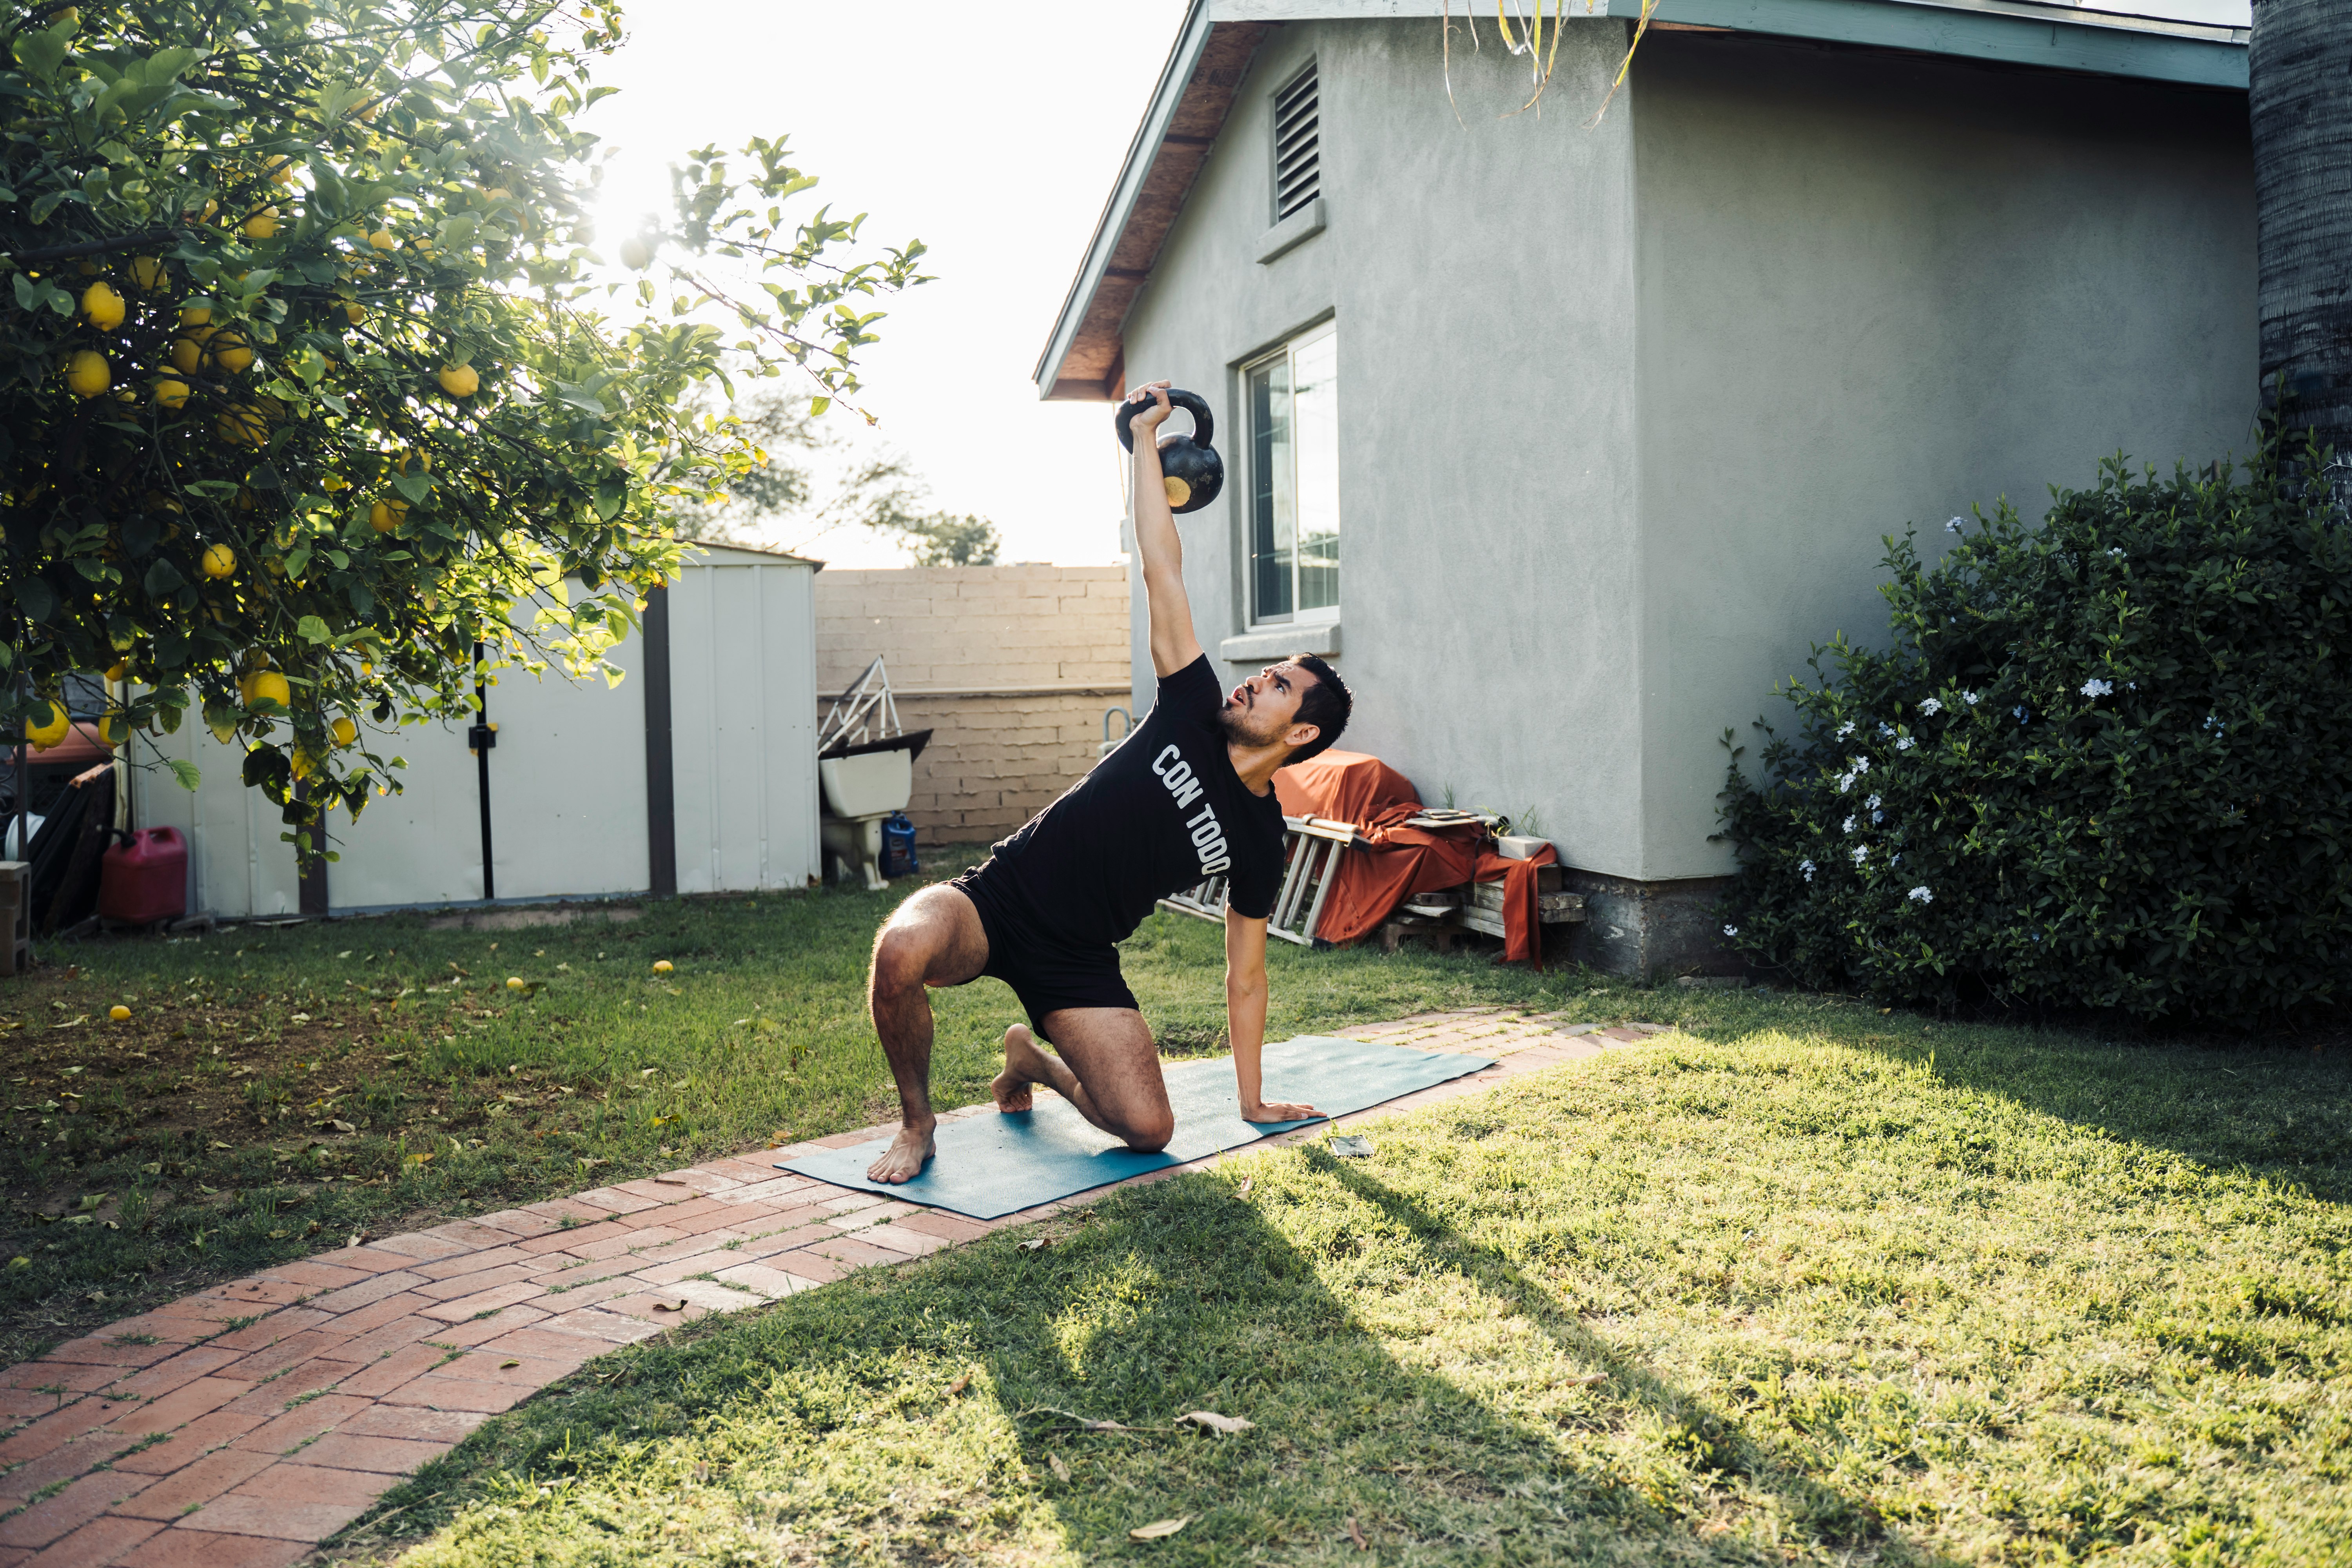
x: 2105, y: 763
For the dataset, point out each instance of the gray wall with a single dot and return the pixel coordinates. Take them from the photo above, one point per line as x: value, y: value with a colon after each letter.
x: 1877, y: 290
x: 1625, y: 410
x: 1480, y: 274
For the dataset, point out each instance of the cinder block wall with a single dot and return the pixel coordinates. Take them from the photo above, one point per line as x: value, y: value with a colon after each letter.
x: 1011, y: 668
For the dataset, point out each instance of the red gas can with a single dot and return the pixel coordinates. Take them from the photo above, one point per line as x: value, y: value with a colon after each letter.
x: 146, y: 879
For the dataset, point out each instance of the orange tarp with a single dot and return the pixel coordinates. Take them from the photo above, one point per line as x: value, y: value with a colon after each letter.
x: 1396, y: 861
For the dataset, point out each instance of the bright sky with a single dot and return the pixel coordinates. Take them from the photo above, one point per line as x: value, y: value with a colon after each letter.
x: 993, y: 135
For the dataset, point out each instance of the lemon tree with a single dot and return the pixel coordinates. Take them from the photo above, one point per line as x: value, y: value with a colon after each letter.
x: 307, y: 381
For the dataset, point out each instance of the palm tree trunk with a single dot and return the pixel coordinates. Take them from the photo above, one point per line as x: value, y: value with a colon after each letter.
x: 2300, y: 106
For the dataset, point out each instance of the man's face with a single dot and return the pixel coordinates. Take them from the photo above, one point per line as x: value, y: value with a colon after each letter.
x: 1261, y: 710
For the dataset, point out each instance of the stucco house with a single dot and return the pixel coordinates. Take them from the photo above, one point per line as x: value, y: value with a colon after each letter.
x: 1610, y: 419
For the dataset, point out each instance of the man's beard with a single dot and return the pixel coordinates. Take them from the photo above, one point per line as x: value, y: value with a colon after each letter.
x: 1239, y: 730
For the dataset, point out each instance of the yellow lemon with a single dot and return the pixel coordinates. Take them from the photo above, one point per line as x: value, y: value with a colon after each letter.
x: 232, y: 352
x: 382, y: 239
x: 195, y: 315
x: 514, y: 982
x: 88, y: 372
x: 423, y: 460
x: 262, y: 224
x: 117, y: 1012
x: 266, y: 686
x: 460, y: 380
x: 343, y: 730
x: 281, y: 170
x: 50, y: 731
x: 111, y: 728
x: 663, y: 966
x: 219, y: 560
x: 187, y: 355
x: 636, y: 253
x: 384, y: 516
x: 147, y: 274
x: 102, y: 307
x: 354, y: 312
x: 331, y: 483
x: 118, y: 669
x: 243, y: 425
x: 172, y: 392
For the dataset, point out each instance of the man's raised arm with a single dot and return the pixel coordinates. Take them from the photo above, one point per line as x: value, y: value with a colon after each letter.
x: 1174, y: 644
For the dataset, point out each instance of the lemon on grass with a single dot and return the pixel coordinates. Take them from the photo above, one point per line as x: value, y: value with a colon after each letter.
x: 118, y: 1013
x: 460, y: 380
x: 88, y: 372
x: 220, y: 561
x: 172, y: 392
x: 663, y: 966
x: 101, y: 307
x: 50, y: 731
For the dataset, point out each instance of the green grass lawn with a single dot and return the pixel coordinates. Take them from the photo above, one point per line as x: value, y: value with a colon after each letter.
x: 279, y: 1090
x: 1805, y: 1283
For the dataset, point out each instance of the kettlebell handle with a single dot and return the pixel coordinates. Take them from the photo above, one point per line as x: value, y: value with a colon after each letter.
x: 1204, y: 423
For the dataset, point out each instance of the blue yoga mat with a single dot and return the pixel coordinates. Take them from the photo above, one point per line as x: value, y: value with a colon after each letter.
x: 993, y: 1164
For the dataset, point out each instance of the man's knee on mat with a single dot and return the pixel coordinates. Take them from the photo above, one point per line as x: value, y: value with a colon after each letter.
x: 1147, y: 1132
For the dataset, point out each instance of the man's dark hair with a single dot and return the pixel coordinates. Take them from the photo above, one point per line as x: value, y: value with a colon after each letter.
x: 1326, y: 705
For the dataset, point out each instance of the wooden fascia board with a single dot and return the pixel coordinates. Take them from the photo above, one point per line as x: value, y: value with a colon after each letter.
x: 1082, y: 356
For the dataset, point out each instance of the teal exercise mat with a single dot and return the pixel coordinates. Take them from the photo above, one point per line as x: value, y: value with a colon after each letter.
x: 993, y: 1164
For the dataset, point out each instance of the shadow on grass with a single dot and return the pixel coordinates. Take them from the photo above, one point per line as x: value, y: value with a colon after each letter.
x: 833, y: 1421
x: 2279, y: 1114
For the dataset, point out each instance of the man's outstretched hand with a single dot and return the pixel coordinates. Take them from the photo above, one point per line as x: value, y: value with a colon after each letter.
x: 1277, y: 1111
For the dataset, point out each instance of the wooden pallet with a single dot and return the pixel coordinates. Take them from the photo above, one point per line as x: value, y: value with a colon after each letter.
x: 1310, y: 850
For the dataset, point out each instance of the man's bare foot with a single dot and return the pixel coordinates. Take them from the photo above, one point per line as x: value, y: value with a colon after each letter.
x: 1025, y: 1064
x: 903, y: 1161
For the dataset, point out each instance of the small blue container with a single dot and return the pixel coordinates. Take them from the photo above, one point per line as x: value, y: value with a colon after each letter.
x: 898, y: 846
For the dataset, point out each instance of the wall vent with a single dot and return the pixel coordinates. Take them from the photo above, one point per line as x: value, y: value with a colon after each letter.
x: 1297, y: 142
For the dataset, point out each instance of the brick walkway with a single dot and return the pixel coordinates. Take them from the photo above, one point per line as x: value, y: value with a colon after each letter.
x: 241, y: 1426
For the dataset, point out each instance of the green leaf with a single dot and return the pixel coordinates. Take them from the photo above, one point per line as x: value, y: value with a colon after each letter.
x: 187, y: 772
x: 310, y: 628
x: 163, y: 578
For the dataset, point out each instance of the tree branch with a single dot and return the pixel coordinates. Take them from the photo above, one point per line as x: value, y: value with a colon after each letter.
x: 91, y: 247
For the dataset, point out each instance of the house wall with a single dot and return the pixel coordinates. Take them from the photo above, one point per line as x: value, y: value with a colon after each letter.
x: 1481, y: 273
x: 1011, y: 668
x: 1877, y: 290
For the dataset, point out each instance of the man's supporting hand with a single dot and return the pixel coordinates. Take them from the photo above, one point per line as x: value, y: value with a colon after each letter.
x: 1245, y: 1019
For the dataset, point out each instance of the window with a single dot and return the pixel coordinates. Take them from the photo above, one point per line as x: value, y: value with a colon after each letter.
x: 1294, y: 495
x: 1298, y: 143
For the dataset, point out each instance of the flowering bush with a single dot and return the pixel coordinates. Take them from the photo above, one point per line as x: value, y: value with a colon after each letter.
x: 2105, y: 763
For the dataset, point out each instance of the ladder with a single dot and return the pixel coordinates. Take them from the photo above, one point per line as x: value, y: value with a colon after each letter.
x: 1310, y: 850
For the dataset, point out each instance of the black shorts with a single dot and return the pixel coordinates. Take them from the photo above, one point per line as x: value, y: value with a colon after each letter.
x: 1047, y: 970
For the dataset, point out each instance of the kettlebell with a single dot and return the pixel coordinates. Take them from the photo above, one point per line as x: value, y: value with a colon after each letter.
x: 1188, y: 465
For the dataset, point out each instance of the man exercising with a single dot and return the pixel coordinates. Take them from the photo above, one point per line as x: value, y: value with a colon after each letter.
x: 1188, y: 795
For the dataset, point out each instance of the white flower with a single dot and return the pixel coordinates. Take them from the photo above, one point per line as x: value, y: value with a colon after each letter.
x: 1845, y: 729
x: 2215, y: 724
x: 1845, y: 783
x: 1849, y: 825
x: 1922, y: 896
x: 1861, y: 853
x: 1877, y: 816
x: 1807, y: 868
x: 1860, y: 765
x: 1871, y: 803
x: 1932, y: 707
x: 1969, y: 698
x: 2115, y: 550
x: 2097, y: 688
x: 1731, y: 931
x: 1884, y: 729
x: 1905, y: 744
x: 1955, y: 525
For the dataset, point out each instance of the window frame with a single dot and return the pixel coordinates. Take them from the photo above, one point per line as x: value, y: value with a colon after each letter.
x: 1287, y: 350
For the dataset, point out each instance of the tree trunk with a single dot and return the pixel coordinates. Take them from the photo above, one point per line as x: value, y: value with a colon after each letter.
x: 2300, y: 106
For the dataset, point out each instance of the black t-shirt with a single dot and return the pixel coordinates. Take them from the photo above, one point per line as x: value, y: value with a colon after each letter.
x: 1163, y: 813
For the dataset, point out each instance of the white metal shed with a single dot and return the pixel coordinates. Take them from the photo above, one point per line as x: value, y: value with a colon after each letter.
x: 695, y: 774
